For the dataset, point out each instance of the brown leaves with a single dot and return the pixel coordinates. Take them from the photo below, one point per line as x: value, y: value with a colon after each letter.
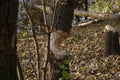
x: 87, y: 56
x: 88, y: 61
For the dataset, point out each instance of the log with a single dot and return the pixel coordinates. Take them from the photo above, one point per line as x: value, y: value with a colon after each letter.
x: 110, y: 16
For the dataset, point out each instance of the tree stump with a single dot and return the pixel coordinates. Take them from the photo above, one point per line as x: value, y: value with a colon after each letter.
x: 111, y: 41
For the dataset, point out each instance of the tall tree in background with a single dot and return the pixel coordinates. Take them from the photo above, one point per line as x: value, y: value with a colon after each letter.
x: 8, y: 18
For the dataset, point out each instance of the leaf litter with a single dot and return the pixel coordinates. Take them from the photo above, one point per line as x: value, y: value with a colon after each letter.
x: 86, y: 48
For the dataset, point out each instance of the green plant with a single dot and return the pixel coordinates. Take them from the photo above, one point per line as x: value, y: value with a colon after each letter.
x: 102, y: 6
x: 63, y: 69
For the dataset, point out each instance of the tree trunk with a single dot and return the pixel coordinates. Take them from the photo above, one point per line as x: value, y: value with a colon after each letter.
x: 62, y: 25
x: 108, y: 43
x: 8, y: 18
x: 111, y: 41
x: 115, y: 43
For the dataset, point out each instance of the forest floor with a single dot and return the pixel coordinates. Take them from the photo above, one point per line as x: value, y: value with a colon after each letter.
x: 86, y: 46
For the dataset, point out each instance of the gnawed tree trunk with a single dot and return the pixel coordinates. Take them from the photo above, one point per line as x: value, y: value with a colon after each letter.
x: 56, y: 39
x: 62, y: 25
x: 111, y: 41
x: 8, y: 18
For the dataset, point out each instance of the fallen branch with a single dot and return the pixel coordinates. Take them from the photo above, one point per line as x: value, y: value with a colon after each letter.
x: 97, y: 15
x: 81, y: 24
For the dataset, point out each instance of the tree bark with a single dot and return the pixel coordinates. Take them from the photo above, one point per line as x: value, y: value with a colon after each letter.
x: 99, y: 15
x: 62, y: 26
x: 108, y: 43
x: 64, y: 15
x: 111, y: 41
x: 8, y: 18
x: 115, y: 43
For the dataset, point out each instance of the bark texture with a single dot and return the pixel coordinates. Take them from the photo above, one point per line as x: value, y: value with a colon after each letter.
x: 108, y: 43
x: 99, y: 15
x: 62, y: 27
x: 111, y: 41
x: 115, y: 43
x: 8, y: 18
x: 64, y: 15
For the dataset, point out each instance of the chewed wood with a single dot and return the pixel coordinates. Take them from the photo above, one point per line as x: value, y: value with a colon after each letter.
x: 56, y: 39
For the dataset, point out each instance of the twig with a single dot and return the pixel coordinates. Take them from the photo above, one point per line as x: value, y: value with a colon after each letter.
x: 49, y: 29
x: 53, y: 17
x: 29, y: 52
x: 35, y: 39
x: 19, y: 70
x: 48, y: 55
x: 45, y: 16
